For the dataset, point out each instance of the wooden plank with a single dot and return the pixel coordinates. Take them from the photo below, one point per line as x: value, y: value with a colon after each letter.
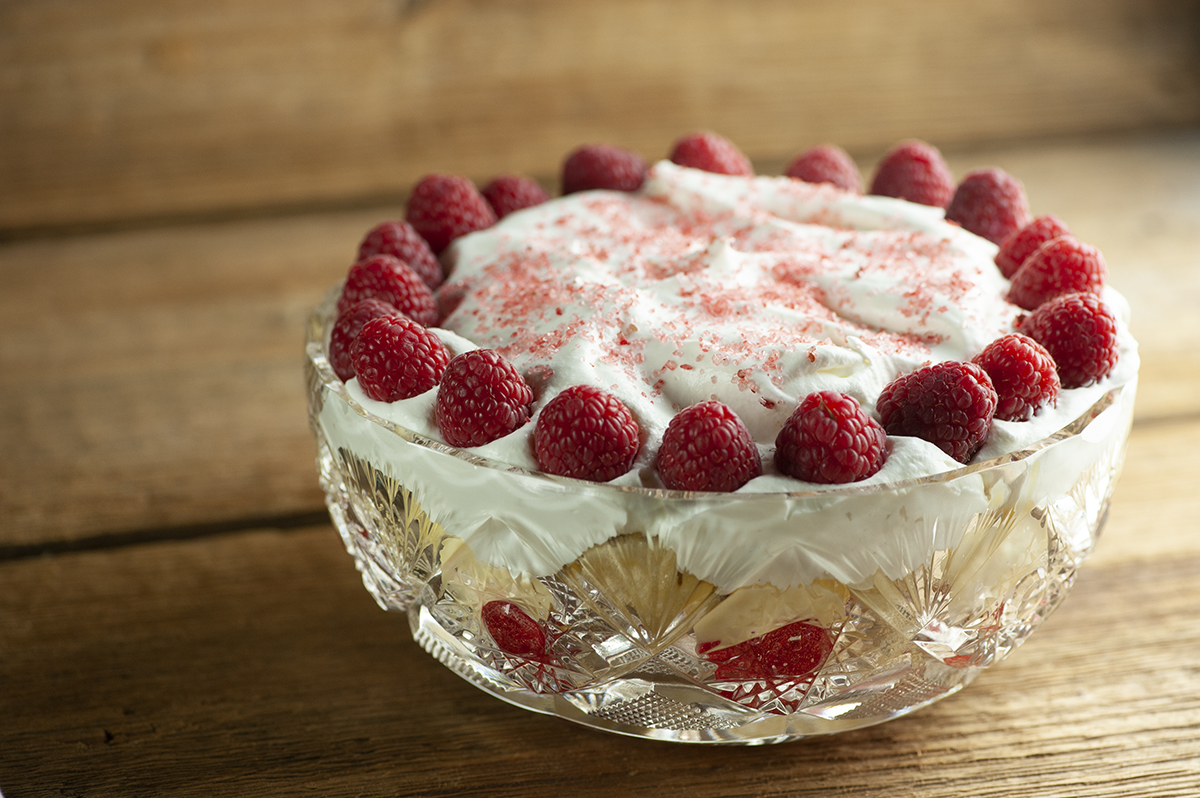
x: 1163, y: 460
x: 256, y: 664
x: 152, y: 378
x: 128, y: 109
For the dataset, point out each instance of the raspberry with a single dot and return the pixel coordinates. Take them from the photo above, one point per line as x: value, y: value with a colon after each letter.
x: 448, y: 298
x: 826, y: 164
x: 587, y: 434
x: 830, y: 439
x: 1080, y: 333
x: 1023, y: 374
x: 1023, y: 243
x: 797, y: 650
x: 1062, y: 265
x: 400, y: 240
x: 707, y: 447
x: 914, y: 171
x: 347, y: 328
x: 481, y: 398
x: 386, y: 278
x: 989, y: 203
x: 604, y: 166
x: 711, y: 153
x: 396, y: 358
x: 508, y: 193
x: 949, y: 404
x: 513, y: 631
x: 444, y: 207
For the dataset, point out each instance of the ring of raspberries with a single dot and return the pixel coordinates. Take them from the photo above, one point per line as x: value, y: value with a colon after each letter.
x: 394, y: 294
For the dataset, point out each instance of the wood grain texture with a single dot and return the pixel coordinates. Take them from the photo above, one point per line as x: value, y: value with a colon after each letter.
x: 1163, y: 460
x: 255, y: 664
x: 155, y: 379
x: 152, y: 378
x: 129, y: 109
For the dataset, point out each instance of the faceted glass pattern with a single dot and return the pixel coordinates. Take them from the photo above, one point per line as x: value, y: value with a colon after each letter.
x: 611, y: 640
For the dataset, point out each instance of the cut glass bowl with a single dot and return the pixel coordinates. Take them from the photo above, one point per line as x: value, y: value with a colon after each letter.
x: 623, y: 638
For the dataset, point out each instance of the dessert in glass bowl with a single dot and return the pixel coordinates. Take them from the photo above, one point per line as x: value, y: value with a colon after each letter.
x: 693, y: 454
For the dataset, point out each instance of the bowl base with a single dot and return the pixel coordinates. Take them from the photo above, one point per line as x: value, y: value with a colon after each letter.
x: 654, y: 706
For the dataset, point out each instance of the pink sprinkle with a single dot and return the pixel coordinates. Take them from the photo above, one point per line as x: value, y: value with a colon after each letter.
x: 528, y: 304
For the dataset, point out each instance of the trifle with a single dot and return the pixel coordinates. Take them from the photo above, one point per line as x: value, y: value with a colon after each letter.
x: 693, y: 454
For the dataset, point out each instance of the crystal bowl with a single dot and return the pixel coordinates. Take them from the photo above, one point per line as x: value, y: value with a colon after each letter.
x: 904, y: 608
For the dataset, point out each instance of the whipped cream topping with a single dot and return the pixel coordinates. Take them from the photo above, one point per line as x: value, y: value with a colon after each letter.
x: 753, y: 291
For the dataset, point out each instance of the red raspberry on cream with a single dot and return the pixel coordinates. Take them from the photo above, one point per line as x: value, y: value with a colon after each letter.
x: 1023, y: 243
x: 401, y: 241
x: 445, y: 207
x: 1062, y: 265
x: 481, y: 397
x: 1080, y: 333
x: 509, y: 193
x: 707, y: 448
x: 826, y: 164
x: 587, y: 434
x: 602, y: 166
x: 990, y: 203
x: 914, y: 171
x: 1023, y: 373
x: 346, y: 329
x: 949, y: 404
x: 395, y: 358
x: 830, y: 439
x: 388, y: 279
x: 710, y: 152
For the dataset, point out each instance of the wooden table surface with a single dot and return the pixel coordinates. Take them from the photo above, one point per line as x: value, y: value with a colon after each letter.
x: 177, y: 616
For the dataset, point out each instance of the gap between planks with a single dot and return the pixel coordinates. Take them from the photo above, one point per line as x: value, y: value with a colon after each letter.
x: 1157, y: 431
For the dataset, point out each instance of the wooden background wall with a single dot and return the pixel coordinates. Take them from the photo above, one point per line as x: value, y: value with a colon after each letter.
x: 120, y: 111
